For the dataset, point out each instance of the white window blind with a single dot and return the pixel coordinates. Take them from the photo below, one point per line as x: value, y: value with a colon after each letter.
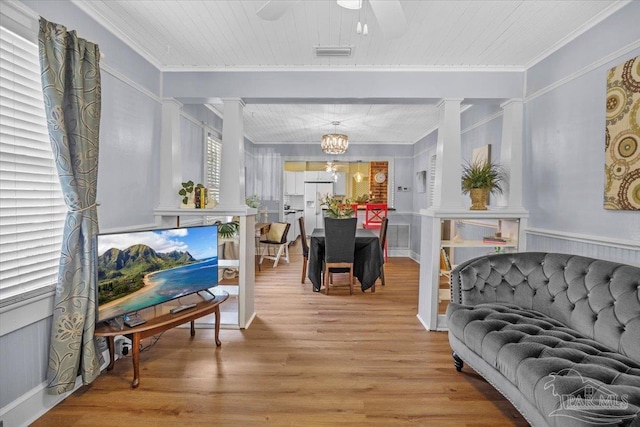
x: 32, y: 210
x: 432, y: 180
x: 213, y: 158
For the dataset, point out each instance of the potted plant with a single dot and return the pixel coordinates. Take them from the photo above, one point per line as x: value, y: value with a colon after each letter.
x: 227, y: 230
x: 336, y: 208
x: 481, y: 178
x: 189, y: 195
x: 361, y: 199
x: 253, y: 201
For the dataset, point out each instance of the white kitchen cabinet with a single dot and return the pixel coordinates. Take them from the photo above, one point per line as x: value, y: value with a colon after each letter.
x: 299, y: 183
x: 318, y: 176
x: 293, y: 183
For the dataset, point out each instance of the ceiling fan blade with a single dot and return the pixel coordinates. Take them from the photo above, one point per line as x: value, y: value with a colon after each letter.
x: 390, y: 17
x: 272, y: 10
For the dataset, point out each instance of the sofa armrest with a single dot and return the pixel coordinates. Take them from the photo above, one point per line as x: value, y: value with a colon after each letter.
x: 455, y: 281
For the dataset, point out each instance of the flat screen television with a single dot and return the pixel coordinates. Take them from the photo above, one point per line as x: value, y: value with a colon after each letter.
x: 140, y: 269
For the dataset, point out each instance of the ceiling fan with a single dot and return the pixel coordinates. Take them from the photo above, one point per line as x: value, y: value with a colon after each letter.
x: 388, y: 13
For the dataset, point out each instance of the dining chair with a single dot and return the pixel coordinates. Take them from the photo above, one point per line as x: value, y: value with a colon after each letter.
x: 305, y: 249
x: 276, y: 237
x: 354, y: 208
x: 383, y: 245
x: 373, y: 214
x: 339, y: 249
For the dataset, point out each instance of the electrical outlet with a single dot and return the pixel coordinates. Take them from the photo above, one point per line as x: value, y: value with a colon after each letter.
x: 122, y: 346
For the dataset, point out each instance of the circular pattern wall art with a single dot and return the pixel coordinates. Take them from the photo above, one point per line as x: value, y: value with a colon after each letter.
x: 622, y: 137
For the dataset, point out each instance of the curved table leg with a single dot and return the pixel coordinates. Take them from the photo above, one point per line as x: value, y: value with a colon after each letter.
x: 112, y: 349
x: 217, y: 313
x: 136, y: 360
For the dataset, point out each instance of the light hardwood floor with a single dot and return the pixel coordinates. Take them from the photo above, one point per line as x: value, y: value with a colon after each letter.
x: 307, y: 360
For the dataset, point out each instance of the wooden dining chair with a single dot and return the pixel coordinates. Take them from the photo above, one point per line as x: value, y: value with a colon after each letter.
x: 373, y: 215
x: 305, y: 249
x: 383, y: 245
x: 276, y: 237
x: 339, y: 249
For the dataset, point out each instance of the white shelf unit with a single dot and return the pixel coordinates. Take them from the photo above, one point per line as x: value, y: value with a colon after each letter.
x: 464, y: 241
x: 238, y: 311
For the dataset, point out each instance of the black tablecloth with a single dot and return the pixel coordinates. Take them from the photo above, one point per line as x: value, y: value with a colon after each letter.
x: 367, y: 264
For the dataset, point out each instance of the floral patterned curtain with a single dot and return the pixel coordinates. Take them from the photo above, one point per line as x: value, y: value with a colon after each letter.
x: 70, y: 74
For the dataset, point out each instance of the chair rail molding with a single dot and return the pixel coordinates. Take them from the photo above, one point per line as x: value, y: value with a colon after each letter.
x: 629, y: 244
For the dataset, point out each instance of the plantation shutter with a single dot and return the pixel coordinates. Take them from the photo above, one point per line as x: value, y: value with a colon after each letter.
x: 432, y: 180
x: 213, y: 158
x: 32, y: 210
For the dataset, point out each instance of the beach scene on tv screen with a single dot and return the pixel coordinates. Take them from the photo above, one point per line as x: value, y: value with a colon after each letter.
x: 141, y: 269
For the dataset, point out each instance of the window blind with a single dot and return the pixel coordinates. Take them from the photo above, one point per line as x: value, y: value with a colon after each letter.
x: 432, y: 180
x: 32, y: 210
x: 213, y: 158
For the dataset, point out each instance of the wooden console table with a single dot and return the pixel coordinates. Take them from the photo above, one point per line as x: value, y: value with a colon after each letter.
x: 157, y: 323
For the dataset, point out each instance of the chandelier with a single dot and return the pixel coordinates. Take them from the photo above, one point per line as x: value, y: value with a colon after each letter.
x: 334, y: 143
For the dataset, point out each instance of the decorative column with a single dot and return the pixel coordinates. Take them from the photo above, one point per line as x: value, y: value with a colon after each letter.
x: 511, y: 153
x: 232, y: 191
x: 448, y: 168
x: 170, y: 155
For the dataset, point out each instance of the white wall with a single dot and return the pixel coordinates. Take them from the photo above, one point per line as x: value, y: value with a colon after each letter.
x: 564, y: 145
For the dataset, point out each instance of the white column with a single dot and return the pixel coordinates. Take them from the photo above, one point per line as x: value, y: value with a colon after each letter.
x: 232, y: 192
x: 448, y: 157
x: 511, y: 153
x: 170, y: 155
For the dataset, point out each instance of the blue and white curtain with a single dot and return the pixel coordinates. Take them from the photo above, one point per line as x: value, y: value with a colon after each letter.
x: 70, y: 74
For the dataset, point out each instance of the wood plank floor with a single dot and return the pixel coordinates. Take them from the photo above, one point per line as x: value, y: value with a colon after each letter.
x: 307, y: 360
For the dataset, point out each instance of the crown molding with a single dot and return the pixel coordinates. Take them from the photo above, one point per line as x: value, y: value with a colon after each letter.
x: 584, y: 70
x: 86, y: 7
x: 613, y: 8
x: 349, y: 68
x: 126, y: 80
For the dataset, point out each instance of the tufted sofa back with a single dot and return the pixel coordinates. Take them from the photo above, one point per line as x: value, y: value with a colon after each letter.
x: 600, y: 299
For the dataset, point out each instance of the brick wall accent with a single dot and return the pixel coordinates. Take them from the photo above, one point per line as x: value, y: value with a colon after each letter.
x: 378, y: 192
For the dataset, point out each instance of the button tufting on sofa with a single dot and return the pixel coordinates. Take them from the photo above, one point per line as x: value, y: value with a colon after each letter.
x: 520, y: 343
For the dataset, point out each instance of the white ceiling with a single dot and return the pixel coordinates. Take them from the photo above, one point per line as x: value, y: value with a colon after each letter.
x: 363, y: 124
x: 462, y: 34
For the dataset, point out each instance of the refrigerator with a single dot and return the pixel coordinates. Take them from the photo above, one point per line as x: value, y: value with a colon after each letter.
x: 313, y: 192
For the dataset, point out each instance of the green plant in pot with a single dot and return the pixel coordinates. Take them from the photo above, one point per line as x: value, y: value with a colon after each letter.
x: 187, y: 191
x: 336, y: 208
x: 227, y: 229
x: 481, y: 178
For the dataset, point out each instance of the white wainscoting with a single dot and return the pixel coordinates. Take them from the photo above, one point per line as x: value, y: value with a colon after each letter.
x: 619, y: 250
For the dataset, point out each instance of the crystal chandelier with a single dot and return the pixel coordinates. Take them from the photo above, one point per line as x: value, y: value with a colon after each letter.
x: 334, y: 143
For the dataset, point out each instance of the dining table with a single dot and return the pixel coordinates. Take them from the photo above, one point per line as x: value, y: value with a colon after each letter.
x: 367, y: 263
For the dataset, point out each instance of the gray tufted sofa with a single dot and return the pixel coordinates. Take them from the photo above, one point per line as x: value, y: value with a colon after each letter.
x: 558, y: 335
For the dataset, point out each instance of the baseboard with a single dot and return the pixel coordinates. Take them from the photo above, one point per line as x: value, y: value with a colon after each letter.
x: 422, y: 322
x: 32, y: 405
x: 399, y: 252
x: 36, y: 402
x: 404, y: 253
